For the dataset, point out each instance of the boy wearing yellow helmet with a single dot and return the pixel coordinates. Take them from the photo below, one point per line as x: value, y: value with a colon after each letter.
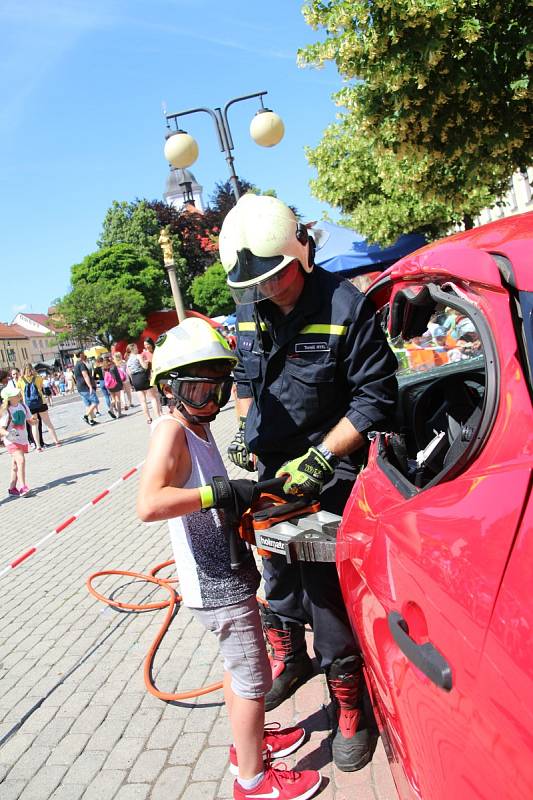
x: 184, y: 481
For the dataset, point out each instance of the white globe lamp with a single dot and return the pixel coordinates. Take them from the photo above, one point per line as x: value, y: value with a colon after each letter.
x: 267, y: 128
x: 181, y: 149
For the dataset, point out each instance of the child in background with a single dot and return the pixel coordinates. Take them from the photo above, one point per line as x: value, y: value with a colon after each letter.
x: 126, y: 391
x: 113, y: 384
x: 13, y: 417
x: 184, y: 481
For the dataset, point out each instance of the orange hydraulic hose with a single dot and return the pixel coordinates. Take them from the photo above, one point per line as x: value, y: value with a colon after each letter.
x: 170, y: 605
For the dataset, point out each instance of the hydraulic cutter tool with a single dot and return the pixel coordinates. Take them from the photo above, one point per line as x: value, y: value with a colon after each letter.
x: 294, y: 527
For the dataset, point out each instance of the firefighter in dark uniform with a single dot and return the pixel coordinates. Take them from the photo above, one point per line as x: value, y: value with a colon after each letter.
x: 315, y: 375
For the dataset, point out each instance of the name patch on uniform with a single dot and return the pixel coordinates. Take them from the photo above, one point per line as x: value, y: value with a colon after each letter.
x: 246, y: 342
x: 311, y: 347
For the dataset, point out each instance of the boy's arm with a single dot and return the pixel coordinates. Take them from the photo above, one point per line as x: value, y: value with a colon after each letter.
x: 164, y: 466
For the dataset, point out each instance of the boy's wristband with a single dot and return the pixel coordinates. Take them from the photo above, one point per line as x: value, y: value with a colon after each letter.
x: 207, y: 498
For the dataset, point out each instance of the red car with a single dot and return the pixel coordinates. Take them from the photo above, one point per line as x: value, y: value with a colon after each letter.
x: 435, y: 548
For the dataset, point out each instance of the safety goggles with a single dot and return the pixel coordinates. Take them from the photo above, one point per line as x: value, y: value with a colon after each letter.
x: 198, y: 392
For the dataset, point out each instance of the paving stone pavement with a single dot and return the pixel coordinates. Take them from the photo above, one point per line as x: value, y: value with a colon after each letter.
x: 76, y: 722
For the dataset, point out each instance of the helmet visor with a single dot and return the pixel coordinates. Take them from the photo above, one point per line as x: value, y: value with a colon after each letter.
x: 198, y: 392
x: 260, y: 278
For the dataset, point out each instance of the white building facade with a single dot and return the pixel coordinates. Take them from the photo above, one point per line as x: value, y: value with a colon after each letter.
x: 42, y: 340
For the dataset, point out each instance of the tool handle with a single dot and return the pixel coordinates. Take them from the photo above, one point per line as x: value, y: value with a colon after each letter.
x: 272, y: 484
x: 282, y: 510
x: 239, y: 550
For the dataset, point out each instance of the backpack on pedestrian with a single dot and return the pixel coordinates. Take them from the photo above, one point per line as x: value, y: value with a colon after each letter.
x: 109, y: 380
x: 32, y: 397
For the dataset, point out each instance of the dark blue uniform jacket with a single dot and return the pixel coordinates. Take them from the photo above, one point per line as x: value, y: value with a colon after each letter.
x: 325, y: 360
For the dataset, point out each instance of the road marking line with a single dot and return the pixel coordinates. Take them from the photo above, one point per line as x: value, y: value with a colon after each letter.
x: 67, y: 522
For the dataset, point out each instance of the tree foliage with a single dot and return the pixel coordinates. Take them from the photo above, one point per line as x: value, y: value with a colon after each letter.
x: 436, y: 109
x: 103, y: 311
x: 124, y: 266
x: 210, y: 292
x: 135, y: 227
x: 194, y: 235
x: 136, y: 224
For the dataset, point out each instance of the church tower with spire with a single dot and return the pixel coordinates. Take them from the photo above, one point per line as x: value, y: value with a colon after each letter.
x: 183, y: 188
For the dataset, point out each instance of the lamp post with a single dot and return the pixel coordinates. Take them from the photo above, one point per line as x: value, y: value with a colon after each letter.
x: 181, y: 149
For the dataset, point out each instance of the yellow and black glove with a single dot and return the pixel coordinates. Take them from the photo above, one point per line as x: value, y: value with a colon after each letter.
x: 238, y: 452
x: 308, y: 473
x: 236, y: 496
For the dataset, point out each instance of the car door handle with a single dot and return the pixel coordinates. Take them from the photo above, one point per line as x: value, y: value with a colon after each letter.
x: 425, y: 657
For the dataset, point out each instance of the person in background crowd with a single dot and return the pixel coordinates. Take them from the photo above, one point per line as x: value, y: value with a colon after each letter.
x: 13, y: 381
x: 14, y: 377
x: 148, y: 352
x: 98, y: 375
x: 86, y: 386
x: 441, y: 345
x: 138, y: 370
x: 30, y: 386
x: 114, y: 385
x: 14, y: 414
x: 69, y: 380
x: 61, y: 382
x: 48, y: 388
x: 126, y: 391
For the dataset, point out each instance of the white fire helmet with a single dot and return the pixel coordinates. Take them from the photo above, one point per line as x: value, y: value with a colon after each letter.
x: 260, y: 236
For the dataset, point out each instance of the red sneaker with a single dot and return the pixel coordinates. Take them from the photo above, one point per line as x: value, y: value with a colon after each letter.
x: 281, y: 784
x: 277, y: 743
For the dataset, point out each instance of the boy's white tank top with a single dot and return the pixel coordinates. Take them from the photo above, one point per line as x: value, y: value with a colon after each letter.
x: 199, y: 539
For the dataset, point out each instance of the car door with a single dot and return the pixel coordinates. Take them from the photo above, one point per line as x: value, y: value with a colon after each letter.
x: 420, y: 572
x: 501, y: 730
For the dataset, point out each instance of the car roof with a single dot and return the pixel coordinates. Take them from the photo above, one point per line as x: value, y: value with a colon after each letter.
x: 466, y: 254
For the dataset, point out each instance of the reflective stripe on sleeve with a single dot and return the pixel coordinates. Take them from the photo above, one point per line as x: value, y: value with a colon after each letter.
x: 249, y: 326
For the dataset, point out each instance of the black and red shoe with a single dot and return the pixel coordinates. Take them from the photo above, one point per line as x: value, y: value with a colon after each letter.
x: 291, y: 666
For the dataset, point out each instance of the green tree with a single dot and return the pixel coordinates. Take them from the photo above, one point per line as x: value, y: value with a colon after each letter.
x: 102, y: 311
x: 437, y: 109
x: 210, y: 292
x: 132, y: 223
x: 124, y: 266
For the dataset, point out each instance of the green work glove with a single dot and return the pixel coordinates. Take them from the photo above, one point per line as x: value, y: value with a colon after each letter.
x: 308, y: 473
x: 238, y: 452
x: 236, y: 496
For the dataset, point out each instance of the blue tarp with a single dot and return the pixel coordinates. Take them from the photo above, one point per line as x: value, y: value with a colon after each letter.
x: 347, y: 252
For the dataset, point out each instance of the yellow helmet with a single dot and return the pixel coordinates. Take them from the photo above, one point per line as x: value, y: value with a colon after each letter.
x: 193, y: 341
x: 259, y: 237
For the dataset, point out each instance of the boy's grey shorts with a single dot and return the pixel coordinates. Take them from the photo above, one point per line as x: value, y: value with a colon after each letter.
x: 242, y: 645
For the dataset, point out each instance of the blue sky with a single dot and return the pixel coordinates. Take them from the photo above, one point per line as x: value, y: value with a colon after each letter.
x: 82, y: 84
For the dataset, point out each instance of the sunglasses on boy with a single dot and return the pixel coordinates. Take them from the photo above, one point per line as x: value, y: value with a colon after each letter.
x: 198, y: 392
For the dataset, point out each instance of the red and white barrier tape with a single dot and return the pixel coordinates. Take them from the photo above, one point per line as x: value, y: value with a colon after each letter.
x: 65, y: 524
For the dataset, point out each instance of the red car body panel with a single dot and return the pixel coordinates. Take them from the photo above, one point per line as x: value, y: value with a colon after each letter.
x: 511, y: 237
x: 456, y: 561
